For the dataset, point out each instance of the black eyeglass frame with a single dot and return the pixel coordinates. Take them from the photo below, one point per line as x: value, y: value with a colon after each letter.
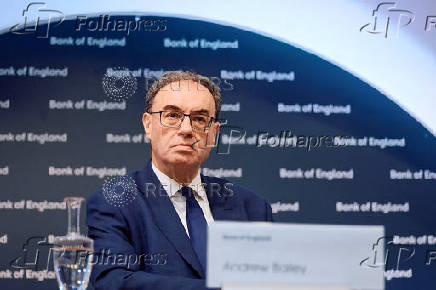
x: 183, y: 118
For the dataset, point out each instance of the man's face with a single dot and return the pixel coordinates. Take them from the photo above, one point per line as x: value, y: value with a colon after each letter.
x: 181, y: 146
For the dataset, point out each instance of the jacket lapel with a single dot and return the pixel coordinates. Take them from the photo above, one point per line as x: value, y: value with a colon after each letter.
x: 166, y: 217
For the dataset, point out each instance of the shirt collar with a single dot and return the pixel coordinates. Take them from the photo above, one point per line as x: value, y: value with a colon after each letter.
x: 172, y: 187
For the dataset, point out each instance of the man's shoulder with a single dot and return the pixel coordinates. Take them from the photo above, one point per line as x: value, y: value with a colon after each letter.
x: 235, y: 189
x: 255, y: 206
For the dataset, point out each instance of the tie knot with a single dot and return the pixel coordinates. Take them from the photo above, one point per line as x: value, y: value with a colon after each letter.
x: 186, y: 191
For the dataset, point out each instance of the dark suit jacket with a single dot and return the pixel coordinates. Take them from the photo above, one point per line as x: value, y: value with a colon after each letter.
x: 149, y: 226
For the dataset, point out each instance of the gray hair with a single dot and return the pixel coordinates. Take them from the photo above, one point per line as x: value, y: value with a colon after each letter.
x: 177, y: 76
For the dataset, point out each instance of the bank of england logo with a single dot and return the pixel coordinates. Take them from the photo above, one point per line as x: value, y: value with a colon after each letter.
x: 120, y: 191
x: 33, y: 15
x: 119, y: 84
x: 387, y: 20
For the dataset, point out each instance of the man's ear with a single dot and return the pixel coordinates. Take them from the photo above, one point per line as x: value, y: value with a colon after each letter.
x: 146, y: 122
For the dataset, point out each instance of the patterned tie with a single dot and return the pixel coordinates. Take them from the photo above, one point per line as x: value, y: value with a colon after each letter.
x: 197, y: 225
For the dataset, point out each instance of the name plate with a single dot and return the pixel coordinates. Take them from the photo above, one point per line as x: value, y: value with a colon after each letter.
x: 268, y: 254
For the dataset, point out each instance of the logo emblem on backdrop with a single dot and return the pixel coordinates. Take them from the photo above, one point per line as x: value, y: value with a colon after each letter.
x: 120, y: 191
x: 119, y: 84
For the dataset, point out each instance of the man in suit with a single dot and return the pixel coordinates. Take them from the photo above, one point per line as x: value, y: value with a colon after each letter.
x: 158, y: 240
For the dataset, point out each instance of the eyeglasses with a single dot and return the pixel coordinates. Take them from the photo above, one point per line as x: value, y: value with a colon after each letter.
x: 174, y: 119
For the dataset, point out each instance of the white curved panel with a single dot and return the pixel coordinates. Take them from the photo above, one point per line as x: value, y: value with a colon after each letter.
x: 401, y: 67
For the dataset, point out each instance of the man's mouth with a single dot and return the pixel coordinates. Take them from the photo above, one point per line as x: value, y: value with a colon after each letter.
x: 184, y: 145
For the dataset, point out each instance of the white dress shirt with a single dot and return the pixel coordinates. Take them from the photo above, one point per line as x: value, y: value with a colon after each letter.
x: 172, y: 187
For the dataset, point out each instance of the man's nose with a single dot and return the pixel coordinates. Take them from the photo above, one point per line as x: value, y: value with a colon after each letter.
x: 186, y: 127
